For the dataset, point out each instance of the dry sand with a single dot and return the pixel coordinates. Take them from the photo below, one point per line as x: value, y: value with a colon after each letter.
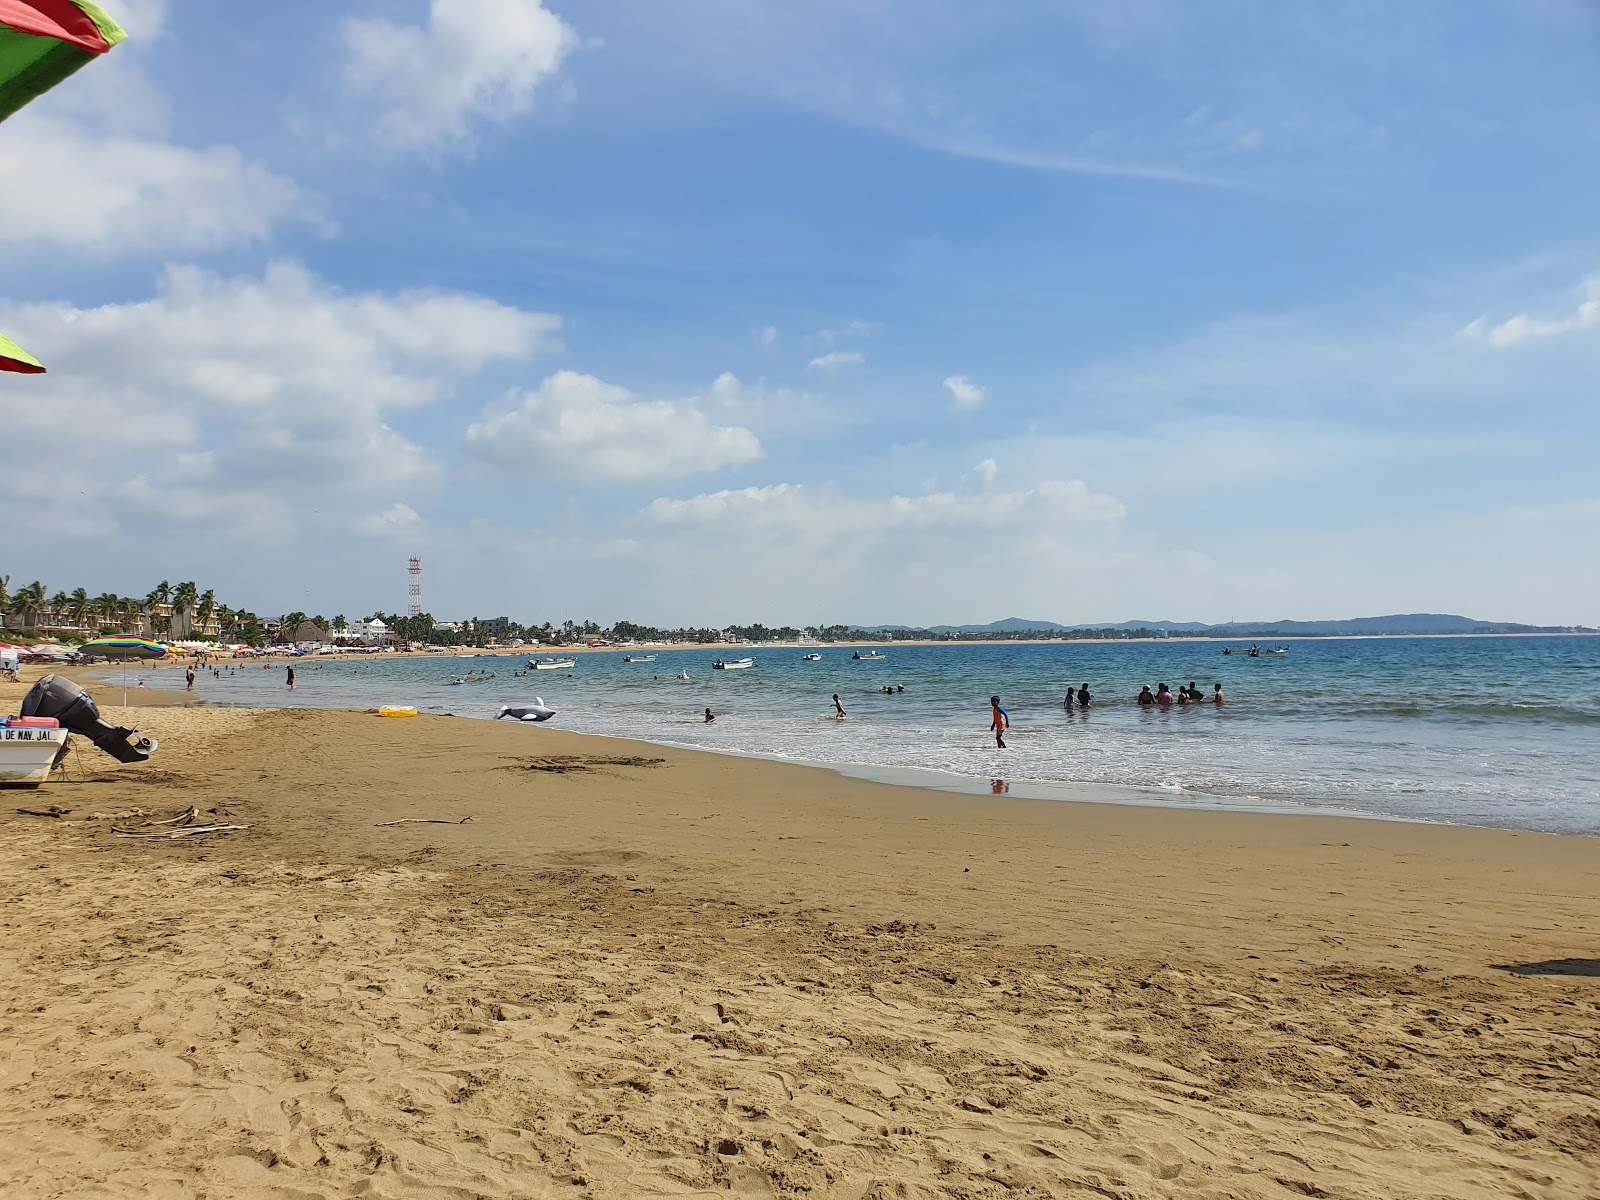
x: 645, y: 972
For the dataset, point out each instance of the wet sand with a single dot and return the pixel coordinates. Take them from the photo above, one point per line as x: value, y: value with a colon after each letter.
x: 640, y: 971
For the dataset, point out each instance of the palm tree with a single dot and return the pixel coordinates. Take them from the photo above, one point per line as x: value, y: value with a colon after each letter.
x: 29, y: 600
x: 5, y: 598
x: 108, y: 609
x: 159, y: 597
x: 184, y: 598
x: 78, y: 606
x: 206, y: 608
x: 56, y: 610
x: 128, y: 612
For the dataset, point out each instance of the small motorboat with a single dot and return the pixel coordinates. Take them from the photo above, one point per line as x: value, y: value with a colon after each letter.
x: 552, y: 664
x: 735, y: 664
x: 638, y: 658
x: 869, y: 656
x: 1274, y: 652
x: 811, y: 658
x: 28, y: 751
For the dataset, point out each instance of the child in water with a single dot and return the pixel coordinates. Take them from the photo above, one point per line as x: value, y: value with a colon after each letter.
x: 710, y: 716
x: 999, y: 722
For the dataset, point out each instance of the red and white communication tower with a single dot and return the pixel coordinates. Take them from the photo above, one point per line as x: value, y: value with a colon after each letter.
x: 414, y: 590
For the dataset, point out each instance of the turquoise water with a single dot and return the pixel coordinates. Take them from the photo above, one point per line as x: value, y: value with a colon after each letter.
x: 1483, y: 731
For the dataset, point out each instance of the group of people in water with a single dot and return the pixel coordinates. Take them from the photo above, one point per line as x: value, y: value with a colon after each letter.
x: 1162, y: 697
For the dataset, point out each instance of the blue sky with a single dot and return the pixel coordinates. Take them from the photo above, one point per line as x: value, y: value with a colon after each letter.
x: 703, y: 310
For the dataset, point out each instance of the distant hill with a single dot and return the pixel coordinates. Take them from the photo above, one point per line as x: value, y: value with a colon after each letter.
x: 1394, y: 625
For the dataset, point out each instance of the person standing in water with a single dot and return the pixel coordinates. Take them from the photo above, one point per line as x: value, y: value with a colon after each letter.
x: 1216, y: 693
x: 838, y: 709
x: 710, y: 716
x: 999, y: 722
x: 290, y: 679
x: 1083, y: 695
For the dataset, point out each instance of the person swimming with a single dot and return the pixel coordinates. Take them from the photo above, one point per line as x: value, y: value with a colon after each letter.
x: 710, y: 716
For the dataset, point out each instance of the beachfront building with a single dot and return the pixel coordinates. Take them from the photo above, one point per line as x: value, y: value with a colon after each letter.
x: 371, y: 630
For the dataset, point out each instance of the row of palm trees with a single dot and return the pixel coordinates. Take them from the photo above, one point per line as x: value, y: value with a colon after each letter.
x: 178, y: 612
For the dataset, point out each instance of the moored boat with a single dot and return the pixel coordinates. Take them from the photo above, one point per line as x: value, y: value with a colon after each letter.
x: 28, y: 754
x: 737, y: 664
x: 633, y: 658
x: 552, y: 664
x: 811, y: 658
x: 869, y: 656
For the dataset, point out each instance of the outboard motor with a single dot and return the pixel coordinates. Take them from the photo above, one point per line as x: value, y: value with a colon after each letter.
x: 68, y: 703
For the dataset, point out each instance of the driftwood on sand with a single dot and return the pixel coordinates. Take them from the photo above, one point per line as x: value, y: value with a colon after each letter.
x: 423, y: 821
x: 171, y: 828
x: 55, y: 810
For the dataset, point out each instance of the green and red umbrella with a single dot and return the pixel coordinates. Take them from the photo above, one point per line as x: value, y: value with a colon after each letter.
x: 41, y: 43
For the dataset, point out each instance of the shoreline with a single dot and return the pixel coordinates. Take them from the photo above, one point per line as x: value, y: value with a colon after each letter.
x: 919, y: 778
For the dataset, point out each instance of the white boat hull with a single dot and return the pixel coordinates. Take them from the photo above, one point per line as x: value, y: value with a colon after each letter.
x: 26, y: 755
x: 561, y: 665
x: 742, y: 665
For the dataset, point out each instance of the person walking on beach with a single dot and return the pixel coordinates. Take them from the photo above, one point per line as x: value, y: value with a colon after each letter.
x: 999, y: 722
x: 290, y: 679
x: 838, y: 709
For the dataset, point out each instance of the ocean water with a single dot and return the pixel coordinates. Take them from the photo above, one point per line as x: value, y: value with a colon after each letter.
x: 1482, y: 731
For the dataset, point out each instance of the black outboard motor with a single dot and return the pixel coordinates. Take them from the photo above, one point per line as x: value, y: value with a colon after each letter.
x: 68, y: 703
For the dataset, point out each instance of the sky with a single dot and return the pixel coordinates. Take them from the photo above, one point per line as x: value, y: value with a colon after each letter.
x: 711, y: 311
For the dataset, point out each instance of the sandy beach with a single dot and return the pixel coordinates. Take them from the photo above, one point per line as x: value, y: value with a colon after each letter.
x: 639, y: 971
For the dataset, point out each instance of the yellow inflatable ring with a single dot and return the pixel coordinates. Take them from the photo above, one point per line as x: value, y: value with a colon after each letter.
x: 397, y: 710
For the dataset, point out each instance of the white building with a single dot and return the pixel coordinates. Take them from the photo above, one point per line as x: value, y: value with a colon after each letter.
x: 374, y: 632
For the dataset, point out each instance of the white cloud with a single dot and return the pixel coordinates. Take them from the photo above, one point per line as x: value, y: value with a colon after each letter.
x: 1523, y: 328
x: 984, y: 473
x: 964, y: 393
x: 835, y: 359
x: 399, y: 518
x: 769, y: 335
x: 579, y: 427
x: 473, y: 61
x: 274, y: 385
x: 818, y: 515
x: 810, y: 553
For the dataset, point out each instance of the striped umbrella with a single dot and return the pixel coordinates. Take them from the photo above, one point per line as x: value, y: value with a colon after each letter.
x: 123, y: 647
x: 41, y: 43
x: 44, y: 41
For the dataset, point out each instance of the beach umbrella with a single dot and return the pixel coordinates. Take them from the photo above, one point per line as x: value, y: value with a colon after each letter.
x: 41, y: 43
x: 123, y: 647
x: 44, y: 41
x: 14, y: 358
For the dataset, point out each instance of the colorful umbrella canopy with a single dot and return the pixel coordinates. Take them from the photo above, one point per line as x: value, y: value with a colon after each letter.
x: 14, y: 358
x: 44, y: 41
x: 41, y: 43
x: 123, y: 647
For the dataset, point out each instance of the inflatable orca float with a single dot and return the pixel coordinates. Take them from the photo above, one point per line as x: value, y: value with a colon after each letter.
x: 537, y: 711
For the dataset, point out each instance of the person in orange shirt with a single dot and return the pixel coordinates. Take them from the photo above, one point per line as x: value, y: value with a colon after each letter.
x: 999, y: 722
